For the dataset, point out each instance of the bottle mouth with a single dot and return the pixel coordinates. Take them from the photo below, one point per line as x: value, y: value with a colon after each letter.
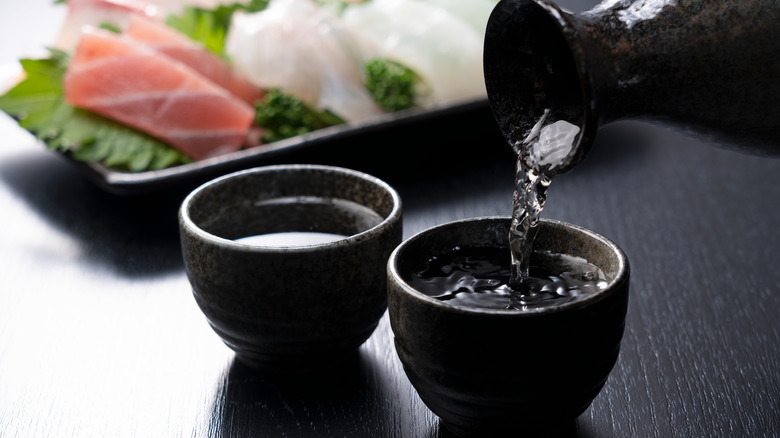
x: 533, y: 80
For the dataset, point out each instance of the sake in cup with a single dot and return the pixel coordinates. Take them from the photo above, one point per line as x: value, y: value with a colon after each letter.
x: 492, y: 371
x: 282, y: 304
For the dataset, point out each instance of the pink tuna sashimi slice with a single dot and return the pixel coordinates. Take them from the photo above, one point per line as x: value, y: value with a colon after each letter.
x: 120, y: 79
x: 177, y: 46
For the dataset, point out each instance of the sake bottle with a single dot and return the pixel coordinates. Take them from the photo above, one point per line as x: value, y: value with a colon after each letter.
x: 710, y: 68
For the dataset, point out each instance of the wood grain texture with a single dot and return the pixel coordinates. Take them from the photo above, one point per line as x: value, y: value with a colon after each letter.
x: 99, y: 334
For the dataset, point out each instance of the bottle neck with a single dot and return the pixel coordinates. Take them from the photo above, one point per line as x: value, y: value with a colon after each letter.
x: 706, y: 68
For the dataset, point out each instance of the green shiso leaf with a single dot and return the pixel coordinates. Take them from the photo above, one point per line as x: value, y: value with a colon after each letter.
x: 38, y: 104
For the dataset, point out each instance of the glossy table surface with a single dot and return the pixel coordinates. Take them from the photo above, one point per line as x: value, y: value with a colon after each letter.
x: 100, y: 335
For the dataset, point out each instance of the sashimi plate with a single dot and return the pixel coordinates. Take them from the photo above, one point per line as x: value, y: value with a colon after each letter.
x: 402, y: 132
x: 411, y: 125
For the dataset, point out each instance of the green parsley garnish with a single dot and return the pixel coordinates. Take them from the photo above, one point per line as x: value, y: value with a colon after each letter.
x: 393, y: 86
x: 38, y: 104
x: 282, y: 116
x: 111, y: 27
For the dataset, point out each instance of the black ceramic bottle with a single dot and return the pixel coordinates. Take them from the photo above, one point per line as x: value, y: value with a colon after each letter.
x: 708, y: 67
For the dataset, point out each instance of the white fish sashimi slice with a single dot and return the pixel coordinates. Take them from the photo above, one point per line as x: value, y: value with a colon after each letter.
x: 443, y: 49
x: 473, y: 12
x: 91, y: 13
x: 304, y: 50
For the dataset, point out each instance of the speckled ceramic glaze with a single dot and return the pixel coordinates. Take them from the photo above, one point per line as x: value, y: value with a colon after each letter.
x: 290, y: 309
x: 487, y: 372
x: 708, y: 67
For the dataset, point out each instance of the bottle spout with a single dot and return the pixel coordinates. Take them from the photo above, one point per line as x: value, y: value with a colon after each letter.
x: 536, y: 80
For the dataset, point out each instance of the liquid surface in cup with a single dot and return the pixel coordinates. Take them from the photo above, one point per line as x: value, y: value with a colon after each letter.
x: 480, y: 277
x: 275, y: 222
x: 291, y: 238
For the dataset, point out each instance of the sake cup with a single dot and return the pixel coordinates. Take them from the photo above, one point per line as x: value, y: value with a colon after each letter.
x: 282, y: 304
x: 495, y: 372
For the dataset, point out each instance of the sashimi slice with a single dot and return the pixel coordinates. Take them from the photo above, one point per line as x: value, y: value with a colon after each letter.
x: 306, y: 51
x: 177, y: 46
x: 121, y: 79
x: 438, y: 45
x: 117, y: 12
x: 82, y: 13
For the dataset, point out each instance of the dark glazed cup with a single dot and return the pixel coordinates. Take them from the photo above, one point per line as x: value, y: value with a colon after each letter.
x: 488, y: 372
x: 291, y: 309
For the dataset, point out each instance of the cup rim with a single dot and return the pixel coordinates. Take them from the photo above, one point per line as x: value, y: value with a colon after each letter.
x: 613, y: 286
x: 186, y: 221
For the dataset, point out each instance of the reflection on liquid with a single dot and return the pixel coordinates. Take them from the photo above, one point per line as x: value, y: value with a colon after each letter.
x: 290, y: 239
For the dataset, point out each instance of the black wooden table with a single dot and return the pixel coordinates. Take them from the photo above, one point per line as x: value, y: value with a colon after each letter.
x: 100, y: 336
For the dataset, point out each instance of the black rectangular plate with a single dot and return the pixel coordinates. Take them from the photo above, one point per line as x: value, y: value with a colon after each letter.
x: 423, y: 124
